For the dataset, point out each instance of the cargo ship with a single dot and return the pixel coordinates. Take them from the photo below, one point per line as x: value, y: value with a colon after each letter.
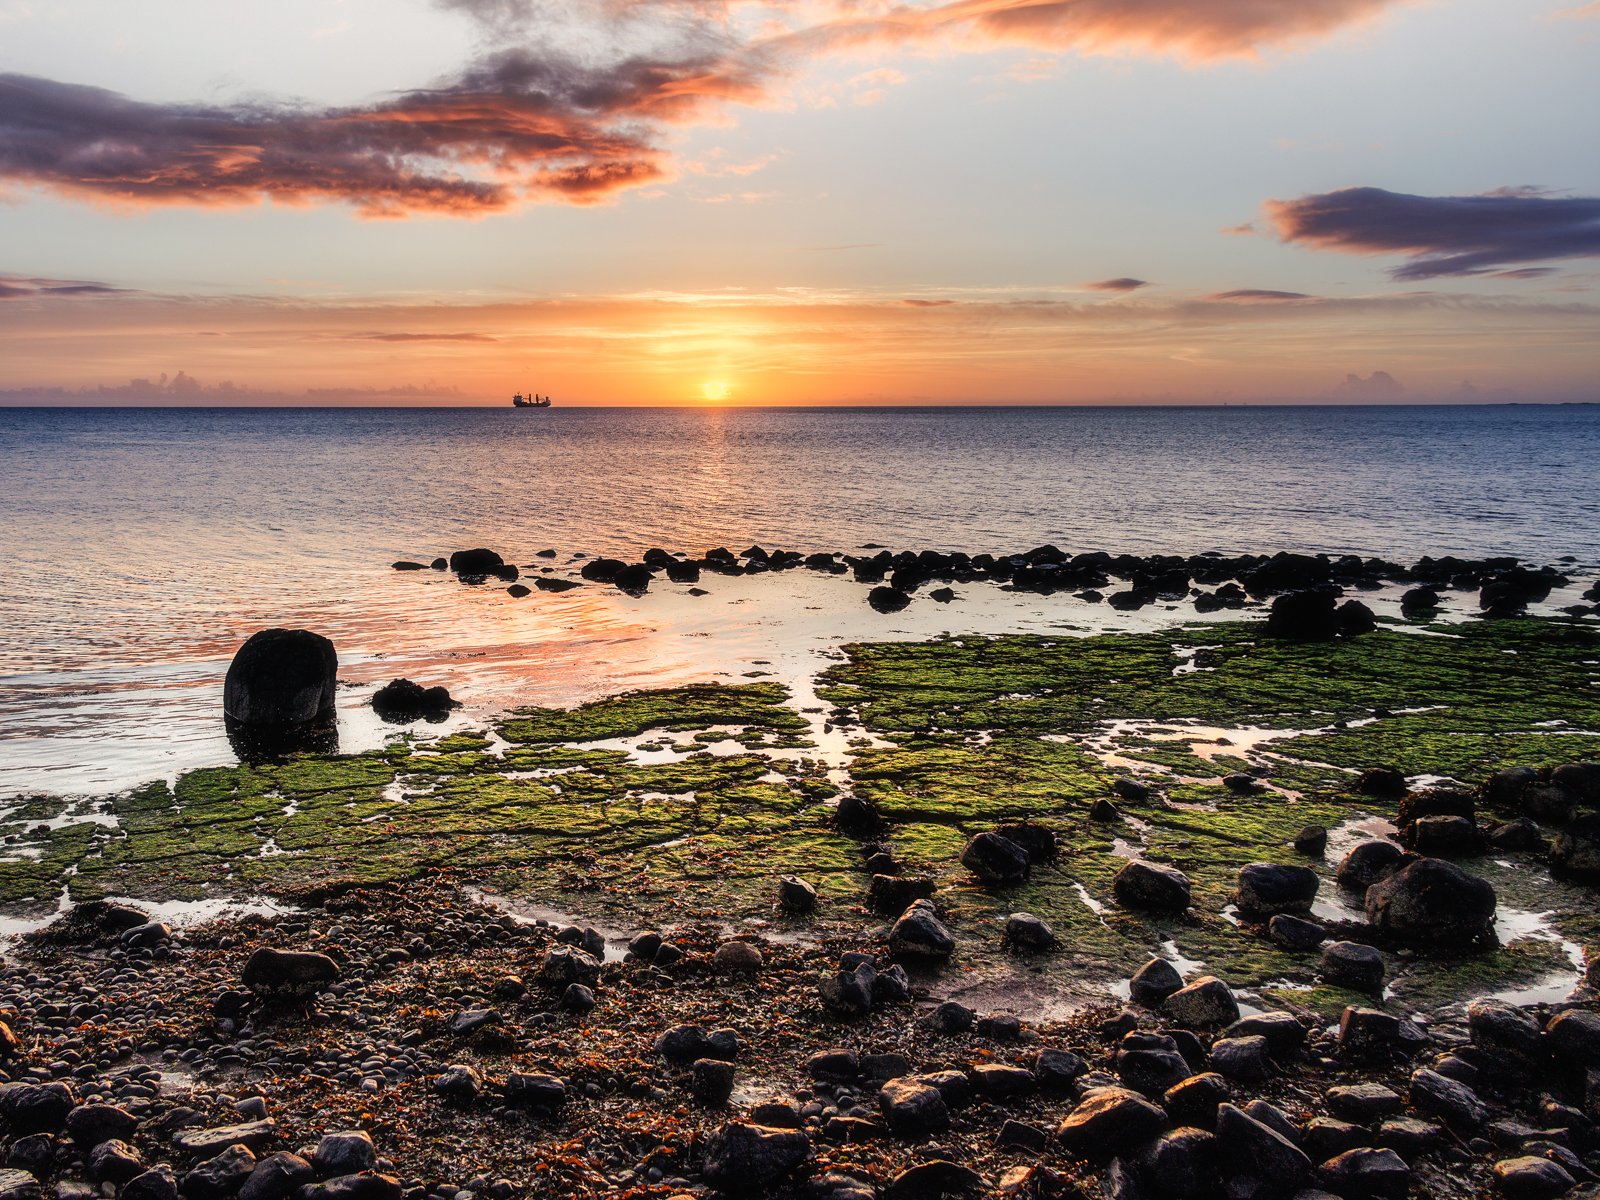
x: 530, y: 401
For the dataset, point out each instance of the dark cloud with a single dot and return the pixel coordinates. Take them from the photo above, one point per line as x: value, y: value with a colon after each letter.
x: 1445, y: 235
x: 1380, y: 385
x: 1125, y: 284
x: 1258, y: 296
x: 21, y: 287
x: 914, y: 303
x: 518, y: 124
x: 548, y: 112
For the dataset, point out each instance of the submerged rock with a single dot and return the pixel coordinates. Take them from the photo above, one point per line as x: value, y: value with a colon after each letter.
x: 401, y: 701
x: 281, y: 678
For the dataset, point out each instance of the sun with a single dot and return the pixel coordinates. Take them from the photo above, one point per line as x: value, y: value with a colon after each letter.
x: 715, y: 389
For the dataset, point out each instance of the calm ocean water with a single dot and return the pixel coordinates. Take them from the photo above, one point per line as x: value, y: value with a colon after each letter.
x: 143, y: 545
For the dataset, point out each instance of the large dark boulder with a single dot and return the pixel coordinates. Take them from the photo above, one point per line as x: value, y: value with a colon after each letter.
x: 602, y: 570
x: 1308, y: 616
x: 887, y: 599
x: 479, y: 563
x: 1432, y: 901
x: 634, y: 579
x: 281, y: 677
x: 1368, y: 862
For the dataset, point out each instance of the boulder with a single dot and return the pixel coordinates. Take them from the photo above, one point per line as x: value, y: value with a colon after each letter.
x: 1503, y: 789
x: 996, y: 860
x: 1573, y: 1035
x: 478, y: 563
x: 711, y: 1081
x: 1386, y: 783
x: 1550, y: 802
x: 1154, y: 982
x: 1430, y: 900
x: 1355, y: 618
x: 1353, y: 965
x: 887, y: 599
x: 289, y: 974
x: 920, y: 934
x: 206, y: 1142
x: 1150, y: 1063
x: 1266, y: 889
x: 1448, y: 1099
x: 1367, y: 1174
x: 1261, y: 1150
x: 281, y: 678
x: 795, y: 895
x: 1531, y: 1178
x: 1109, y: 1121
x: 751, y: 1158
x: 602, y: 570
x: 1244, y: 1058
x: 1443, y: 835
x: 276, y: 1177
x: 1295, y: 933
x: 220, y: 1176
x: 1151, y: 887
x: 401, y: 701
x: 1368, y: 862
x: 1182, y: 1162
x: 566, y: 965
x: 1204, y: 1003
x: 535, y: 1090
x: 1576, y: 849
x: 913, y: 1109
x: 35, y: 1107
x: 1284, y: 1032
x: 1506, y: 1031
x: 1306, y: 616
x: 1368, y: 1032
x: 347, y: 1153
x: 733, y: 957
x: 158, y: 1183
x: 1581, y: 779
x: 1029, y: 932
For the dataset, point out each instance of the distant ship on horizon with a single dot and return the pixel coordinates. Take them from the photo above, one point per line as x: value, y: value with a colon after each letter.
x: 530, y: 401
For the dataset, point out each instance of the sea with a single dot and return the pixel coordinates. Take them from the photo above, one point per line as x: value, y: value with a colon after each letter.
x: 141, y: 546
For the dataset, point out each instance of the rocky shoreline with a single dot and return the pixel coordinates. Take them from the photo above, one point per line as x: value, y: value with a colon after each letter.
x: 1127, y: 582
x: 411, y: 1043
x: 1187, y: 912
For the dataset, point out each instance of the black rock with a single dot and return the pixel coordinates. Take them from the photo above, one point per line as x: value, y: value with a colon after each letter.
x: 1181, y: 1162
x: 1367, y: 1174
x: 1150, y: 1063
x: 1306, y: 616
x: 1245, y: 1058
x: 1151, y: 887
x: 220, y: 1176
x: 1261, y: 1150
x: 281, y: 678
x: 602, y: 570
x: 289, y: 974
x: 751, y: 1158
x: 1154, y: 982
x: 1312, y: 841
x: 276, y: 1177
x: 920, y: 934
x: 997, y: 861
x: 1384, y: 782
x: 887, y: 599
x: 35, y: 1107
x: 633, y: 579
x: 1576, y: 849
x: 1430, y: 900
x: 795, y: 895
x: 1352, y: 965
x: 346, y: 1153
x: 400, y: 701
x: 535, y: 1090
x: 546, y: 584
x: 477, y: 563
x: 1295, y: 933
x: 1269, y: 888
x: 1367, y: 863
x: 1109, y: 1121
x: 913, y: 1109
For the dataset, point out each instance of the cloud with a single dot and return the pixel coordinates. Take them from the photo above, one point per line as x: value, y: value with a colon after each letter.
x: 22, y: 287
x: 421, y: 337
x: 912, y: 302
x: 1258, y: 296
x: 1445, y: 235
x: 184, y: 388
x: 1124, y: 284
x: 517, y: 125
x: 570, y: 103
x: 1380, y: 385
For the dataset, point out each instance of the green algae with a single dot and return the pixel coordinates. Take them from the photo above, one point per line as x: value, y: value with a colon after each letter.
x: 755, y: 706
x: 969, y: 732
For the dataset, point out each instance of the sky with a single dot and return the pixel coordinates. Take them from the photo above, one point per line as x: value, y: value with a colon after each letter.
x: 799, y: 201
